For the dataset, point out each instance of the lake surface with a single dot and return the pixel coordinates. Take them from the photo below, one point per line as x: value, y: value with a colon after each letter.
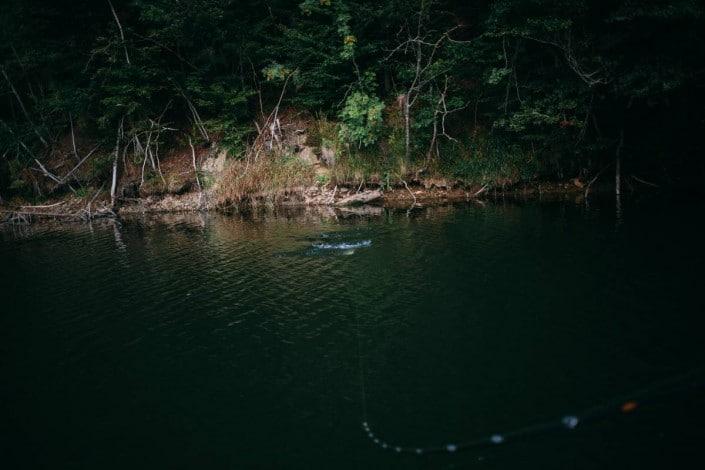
x: 212, y: 341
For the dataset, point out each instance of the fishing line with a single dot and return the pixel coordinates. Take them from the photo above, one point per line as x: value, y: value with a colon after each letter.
x: 625, y: 404
x: 361, y: 367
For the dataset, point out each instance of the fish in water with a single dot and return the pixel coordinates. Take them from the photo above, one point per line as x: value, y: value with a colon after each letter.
x: 342, y: 246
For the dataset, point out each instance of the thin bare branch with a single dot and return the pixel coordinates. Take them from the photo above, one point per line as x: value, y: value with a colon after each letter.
x: 22, y: 107
x: 122, y: 33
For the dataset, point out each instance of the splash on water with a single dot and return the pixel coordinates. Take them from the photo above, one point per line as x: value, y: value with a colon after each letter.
x: 343, y: 246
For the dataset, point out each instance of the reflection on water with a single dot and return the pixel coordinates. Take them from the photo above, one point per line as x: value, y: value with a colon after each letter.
x: 202, y: 340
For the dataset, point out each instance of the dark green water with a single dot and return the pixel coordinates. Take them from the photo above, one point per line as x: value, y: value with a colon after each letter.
x: 229, y: 342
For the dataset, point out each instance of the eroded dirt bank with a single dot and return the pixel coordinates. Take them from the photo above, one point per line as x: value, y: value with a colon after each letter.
x: 343, y: 199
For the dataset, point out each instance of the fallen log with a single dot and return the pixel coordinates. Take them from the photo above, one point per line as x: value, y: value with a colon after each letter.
x: 365, y: 197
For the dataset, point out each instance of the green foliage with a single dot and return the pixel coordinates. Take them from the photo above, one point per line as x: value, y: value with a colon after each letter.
x: 497, y: 75
x: 100, y: 166
x: 276, y: 72
x: 322, y: 179
x: 232, y: 134
x: 361, y: 119
x: 488, y: 159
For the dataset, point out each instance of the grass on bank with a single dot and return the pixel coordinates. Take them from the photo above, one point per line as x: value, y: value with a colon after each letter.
x: 268, y: 177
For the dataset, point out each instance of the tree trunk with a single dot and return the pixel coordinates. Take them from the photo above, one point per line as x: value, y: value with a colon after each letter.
x: 407, y: 128
x: 113, y: 186
x: 618, y: 179
x: 434, y: 136
x: 618, y: 176
x: 618, y: 166
x: 195, y: 167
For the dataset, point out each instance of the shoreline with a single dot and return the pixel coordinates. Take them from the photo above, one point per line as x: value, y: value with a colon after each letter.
x: 72, y: 209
